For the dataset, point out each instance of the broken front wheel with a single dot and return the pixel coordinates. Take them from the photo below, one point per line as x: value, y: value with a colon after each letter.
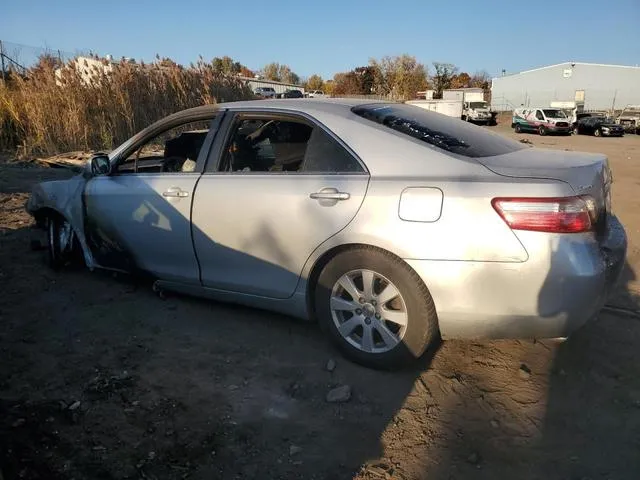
x: 60, y: 242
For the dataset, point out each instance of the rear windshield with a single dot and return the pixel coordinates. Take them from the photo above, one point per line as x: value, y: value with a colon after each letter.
x: 448, y: 133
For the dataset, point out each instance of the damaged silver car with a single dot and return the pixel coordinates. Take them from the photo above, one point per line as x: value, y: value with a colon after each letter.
x: 388, y: 224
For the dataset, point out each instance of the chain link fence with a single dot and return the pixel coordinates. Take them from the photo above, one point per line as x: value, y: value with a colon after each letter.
x: 17, y: 57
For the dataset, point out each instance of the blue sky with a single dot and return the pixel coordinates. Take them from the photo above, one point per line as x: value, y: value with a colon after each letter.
x: 331, y: 36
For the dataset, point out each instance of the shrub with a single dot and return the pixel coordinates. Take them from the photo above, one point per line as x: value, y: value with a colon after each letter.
x: 85, y: 107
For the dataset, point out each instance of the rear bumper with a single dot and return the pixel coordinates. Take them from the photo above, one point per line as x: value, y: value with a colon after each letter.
x: 562, y: 286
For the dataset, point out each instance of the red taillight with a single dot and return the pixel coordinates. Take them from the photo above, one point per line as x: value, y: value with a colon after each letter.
x: 555, y: 215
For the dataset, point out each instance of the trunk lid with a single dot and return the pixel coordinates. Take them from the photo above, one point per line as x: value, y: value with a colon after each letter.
x: 586, y: 173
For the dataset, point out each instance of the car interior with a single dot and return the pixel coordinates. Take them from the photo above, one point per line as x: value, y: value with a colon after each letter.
x: 266, y: 145
x: 167, y: 153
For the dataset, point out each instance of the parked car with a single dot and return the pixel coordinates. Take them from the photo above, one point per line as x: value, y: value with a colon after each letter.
x: 291, y: 93
x: 388, y: 224
x: 540, y: 120
x: 629, y: 119
x: 316, y: 94
x: 598, y: 126
x: 265, y: 92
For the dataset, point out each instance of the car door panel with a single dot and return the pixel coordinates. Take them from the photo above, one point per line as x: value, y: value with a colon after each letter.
x: 254, y: 233
x: 143, y: 222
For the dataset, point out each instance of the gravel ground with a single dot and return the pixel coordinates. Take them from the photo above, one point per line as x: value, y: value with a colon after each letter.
x: 101, y: 379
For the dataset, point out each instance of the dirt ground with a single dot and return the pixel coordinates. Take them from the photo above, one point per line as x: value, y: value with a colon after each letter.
x: 101, y: 379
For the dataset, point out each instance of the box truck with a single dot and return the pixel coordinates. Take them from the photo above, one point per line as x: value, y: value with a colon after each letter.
x: 474, y: 108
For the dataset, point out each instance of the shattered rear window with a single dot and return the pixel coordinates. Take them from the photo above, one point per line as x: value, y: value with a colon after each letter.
x: 448, y: 133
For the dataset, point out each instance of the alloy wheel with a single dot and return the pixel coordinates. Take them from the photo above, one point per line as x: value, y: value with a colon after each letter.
x: 369, y: 311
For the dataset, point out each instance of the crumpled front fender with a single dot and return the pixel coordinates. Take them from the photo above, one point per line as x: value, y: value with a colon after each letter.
x: 65, y: 198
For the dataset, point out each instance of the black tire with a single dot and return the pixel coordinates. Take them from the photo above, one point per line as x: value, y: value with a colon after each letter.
x: 576, y: 131
x: 422, y: 323
x: 597, y: 132
x: 542, y: 131
x: 59, y: 256
x: 518, y: 128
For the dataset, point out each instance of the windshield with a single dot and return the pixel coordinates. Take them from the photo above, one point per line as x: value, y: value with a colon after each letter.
x: 554, y: 114
x: 478, y: 105
x: 439, y: 130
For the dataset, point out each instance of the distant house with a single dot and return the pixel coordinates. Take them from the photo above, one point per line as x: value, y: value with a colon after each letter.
x: 87, y: 67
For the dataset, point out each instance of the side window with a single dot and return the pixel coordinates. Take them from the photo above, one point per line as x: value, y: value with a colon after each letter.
x: 266, y: 145
x: 326, y: 155
x: 173, y: 151
x: 278, y: 145
x: 539, y: 115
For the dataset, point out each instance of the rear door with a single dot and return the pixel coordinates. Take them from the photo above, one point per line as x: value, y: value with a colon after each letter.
x: 281, y: 186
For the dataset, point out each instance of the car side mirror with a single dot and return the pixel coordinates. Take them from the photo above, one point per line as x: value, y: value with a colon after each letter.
x: 98, y: 165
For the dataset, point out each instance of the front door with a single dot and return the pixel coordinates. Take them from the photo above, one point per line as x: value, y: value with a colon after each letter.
x: 139, y: 217
x: 283, y: 185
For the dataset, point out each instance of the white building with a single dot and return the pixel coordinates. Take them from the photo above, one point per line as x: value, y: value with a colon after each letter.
x: 87, y: 67
x: 279, y: 87
x: 601, y: 87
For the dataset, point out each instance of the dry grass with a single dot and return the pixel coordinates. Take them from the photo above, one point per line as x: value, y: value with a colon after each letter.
x: 42, y: 114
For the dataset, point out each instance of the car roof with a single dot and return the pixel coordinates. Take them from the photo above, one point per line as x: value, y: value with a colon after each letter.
x: 334, y: 106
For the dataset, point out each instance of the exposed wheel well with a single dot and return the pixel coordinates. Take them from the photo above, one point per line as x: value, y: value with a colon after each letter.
x: 326, y: 257
x: 42, y: 214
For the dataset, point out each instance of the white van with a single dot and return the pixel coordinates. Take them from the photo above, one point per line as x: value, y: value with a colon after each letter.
x: 543, y: 120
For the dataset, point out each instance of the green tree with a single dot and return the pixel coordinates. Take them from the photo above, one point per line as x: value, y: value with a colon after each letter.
x: 443, y: 77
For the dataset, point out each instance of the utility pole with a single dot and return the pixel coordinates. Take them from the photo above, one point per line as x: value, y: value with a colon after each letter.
x: 2, y: 59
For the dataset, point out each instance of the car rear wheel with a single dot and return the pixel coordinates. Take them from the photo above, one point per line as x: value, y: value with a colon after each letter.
x: 375, y: 308
x: 542, y: 131
x: 575, y: 131
x: 60, y: 242
x: 518, y: 128
x: 597, y: 132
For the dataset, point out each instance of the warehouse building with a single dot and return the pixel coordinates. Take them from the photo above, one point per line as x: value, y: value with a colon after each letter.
x: 279, y: 87
x: 600, y: 87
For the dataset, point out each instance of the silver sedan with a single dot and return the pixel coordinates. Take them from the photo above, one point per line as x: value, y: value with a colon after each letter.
x: 390, y: 225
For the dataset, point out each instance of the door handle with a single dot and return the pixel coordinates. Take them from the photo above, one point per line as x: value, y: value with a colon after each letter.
x: 175, y: 193
x: 330, y: 194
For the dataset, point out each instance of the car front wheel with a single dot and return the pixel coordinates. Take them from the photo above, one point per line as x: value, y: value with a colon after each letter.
x: 375, y: 308
x: 60, y: 242
x: 542, y: 131
x: 597, y: 132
